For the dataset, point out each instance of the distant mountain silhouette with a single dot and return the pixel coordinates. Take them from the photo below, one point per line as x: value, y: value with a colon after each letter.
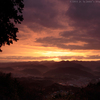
x: 57, y: 69
x: 40, y: 67
x: 31, y: 71
x: 89, y: 64
x: 68, y: 64
x: 6, y: 69
x: 67, y: 68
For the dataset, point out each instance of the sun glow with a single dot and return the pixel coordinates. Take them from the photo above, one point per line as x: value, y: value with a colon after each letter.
x: 55, y: 53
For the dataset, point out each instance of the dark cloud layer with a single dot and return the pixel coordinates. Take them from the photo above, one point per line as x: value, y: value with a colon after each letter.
x: 90, y: 43
x: 41, y: 13
x: 85, y: 17
x: 85, y: 20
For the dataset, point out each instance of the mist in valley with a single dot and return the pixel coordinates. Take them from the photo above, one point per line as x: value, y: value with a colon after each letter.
x: 75, y: 73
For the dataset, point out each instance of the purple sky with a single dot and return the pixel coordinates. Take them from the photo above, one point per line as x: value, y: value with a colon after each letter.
x: 57, y: 30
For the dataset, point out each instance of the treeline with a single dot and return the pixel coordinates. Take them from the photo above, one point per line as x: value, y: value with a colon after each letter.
x: 90, y: 92
x: 12, y: 89
x: 18, y: 89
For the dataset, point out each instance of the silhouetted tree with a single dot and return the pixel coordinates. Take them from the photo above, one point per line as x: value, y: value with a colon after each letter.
x: 10, y: 14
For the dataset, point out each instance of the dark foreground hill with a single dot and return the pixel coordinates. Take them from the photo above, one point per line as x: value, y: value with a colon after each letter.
x: 30, y: 89
x: 91, y: 92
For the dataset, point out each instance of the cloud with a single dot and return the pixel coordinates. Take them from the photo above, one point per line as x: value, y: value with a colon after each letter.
x: 79, y: 57
x: 41, y: 14
x: 72, y: 42
x: 84, y: 18
x: 23, y: 36
x: 52, y: 41
x: 26, y: 58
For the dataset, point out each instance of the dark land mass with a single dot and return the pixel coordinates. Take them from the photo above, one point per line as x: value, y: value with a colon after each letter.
x: 49, y: 80
x: 64, y: 72
x: 30, y: 88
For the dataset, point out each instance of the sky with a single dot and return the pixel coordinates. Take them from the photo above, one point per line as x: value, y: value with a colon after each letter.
x: 57, y: 30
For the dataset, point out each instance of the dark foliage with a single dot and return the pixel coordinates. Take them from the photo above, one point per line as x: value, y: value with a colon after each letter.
x: 10, y: 88
x: 91, y: 92
x: 10, y: 14
x: 29, y: 89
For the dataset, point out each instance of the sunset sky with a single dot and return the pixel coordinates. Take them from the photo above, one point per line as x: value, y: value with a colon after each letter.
x: 56, y: 30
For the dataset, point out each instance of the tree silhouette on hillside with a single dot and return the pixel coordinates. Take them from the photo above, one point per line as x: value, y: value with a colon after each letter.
x: 10, y: 14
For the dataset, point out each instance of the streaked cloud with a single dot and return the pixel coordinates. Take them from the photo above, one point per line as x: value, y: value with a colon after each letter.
x: 41, y: 58
x: 60, y: 26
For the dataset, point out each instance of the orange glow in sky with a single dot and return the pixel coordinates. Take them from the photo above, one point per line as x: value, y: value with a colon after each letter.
x: 56, y: 30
